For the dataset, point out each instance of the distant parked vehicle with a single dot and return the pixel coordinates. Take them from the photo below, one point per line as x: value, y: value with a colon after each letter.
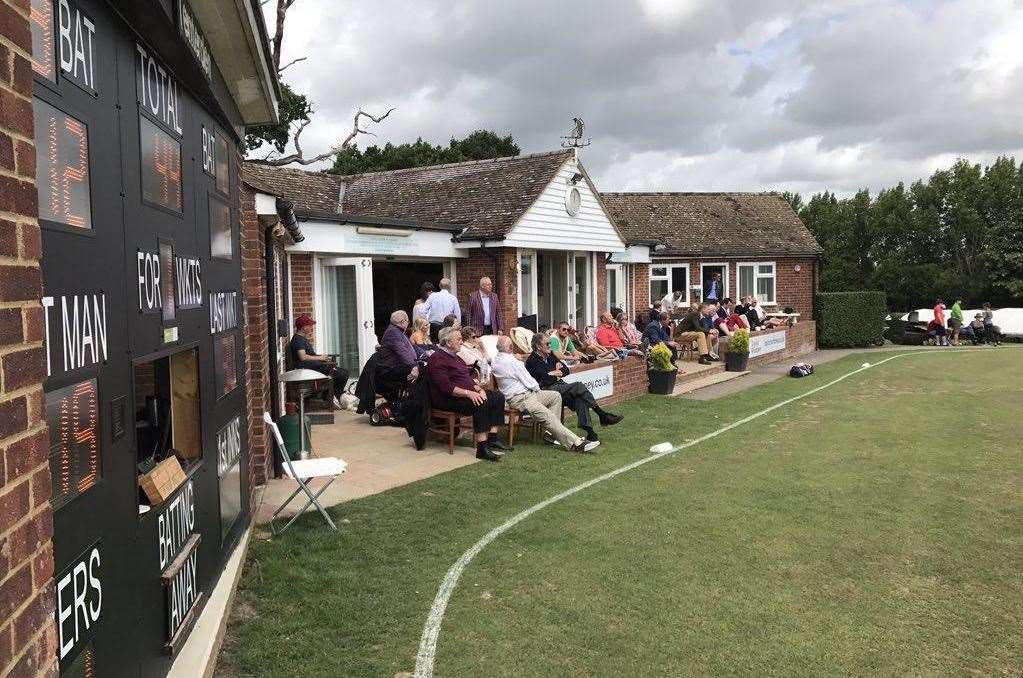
x: 911, y: 328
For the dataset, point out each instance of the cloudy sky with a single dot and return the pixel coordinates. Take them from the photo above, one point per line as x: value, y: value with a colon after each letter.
x: 679, y: 94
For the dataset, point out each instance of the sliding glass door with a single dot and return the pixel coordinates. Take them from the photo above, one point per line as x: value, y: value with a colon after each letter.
x: 344, y: 305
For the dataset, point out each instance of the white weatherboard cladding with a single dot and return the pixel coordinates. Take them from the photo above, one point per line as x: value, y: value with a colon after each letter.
x: 547, y: 225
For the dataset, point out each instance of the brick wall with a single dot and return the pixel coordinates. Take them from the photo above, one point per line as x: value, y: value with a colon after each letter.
x: 253, y: 237
x: 498, y: 264
x: 800, y: 339
x: 302, y: 284
x: 28, y: 639
x: 640, y: 277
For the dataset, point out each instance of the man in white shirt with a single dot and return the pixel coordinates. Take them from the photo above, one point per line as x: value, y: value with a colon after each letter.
x: 440, y: 305
x: 672, y: 302
x: 522, y: 392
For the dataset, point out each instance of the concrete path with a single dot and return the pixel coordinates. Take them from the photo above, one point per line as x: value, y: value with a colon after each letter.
x: 379, y: 458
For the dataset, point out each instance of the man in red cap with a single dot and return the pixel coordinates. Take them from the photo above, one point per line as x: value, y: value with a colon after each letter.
x: 303, y: 355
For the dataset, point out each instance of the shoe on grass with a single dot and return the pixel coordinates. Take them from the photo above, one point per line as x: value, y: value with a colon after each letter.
x: 586, y: 446
x: 489, y: 455
x: 498, y: 445
x: 610, y: 419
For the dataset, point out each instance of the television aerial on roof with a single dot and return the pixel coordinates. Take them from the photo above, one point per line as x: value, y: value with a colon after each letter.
x: 575, y: 136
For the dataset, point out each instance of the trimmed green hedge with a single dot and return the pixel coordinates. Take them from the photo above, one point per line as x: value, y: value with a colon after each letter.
x: 850, y: 319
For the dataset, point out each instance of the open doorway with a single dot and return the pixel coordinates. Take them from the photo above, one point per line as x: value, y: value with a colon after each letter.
x: 714, y: 279
x: 396, y: 285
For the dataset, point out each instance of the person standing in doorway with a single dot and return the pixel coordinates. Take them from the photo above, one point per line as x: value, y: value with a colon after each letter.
x: 714, y: 289
x: 418, y: 308
x: 440, y: 305
x: 485, y: 309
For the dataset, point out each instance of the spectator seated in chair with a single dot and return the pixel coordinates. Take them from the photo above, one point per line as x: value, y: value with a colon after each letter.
x: 693, y: 328
x: 396, y: 364
x: 563, y: 346
x: 453, y: 389
x: 590, y: 346
x: 523, y: 392
x: 609, y: 335
x: 728, y: 321
x: 976, y: 330
x: 548, y: 371
x: 632, y: 338
x: 474, y: 355
x: 659, y: 332
x: 420, y: 336
x: 302, y: 355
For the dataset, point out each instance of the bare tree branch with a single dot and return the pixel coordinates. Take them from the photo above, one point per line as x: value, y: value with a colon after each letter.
x: 299, y: 157
x: 282, y: 11
x: 290, y: 63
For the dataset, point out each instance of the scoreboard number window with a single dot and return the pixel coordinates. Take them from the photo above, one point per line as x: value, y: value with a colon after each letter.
x: 62, y: 167
x: 43, y: 51
x: 221, y: 243
x: 222, y: 164
x: 161, y: 166
x: 72, y: 413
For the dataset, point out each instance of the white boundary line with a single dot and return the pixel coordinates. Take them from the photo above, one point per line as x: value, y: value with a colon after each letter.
x: 431, y: 629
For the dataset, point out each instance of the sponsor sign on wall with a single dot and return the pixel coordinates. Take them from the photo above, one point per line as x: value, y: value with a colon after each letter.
x: 600, y: 381
x: 762, y: 344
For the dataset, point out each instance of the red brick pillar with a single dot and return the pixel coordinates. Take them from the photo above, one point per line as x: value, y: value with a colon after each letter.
x: 28, y: 639
x: 257, y: 349
x: 302, y: 283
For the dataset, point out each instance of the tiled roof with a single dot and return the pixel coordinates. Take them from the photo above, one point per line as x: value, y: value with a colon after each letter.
x: 485, y: 197
x: 712, y: 224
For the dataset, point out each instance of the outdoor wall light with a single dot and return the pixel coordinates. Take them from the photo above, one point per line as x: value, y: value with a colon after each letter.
x: 797, y: 268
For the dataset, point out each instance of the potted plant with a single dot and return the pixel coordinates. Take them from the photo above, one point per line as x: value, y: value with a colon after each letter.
x: 737, y: 357
x: 661, y: 371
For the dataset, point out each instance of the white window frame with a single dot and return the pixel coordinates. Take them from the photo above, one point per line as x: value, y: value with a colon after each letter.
x: 724, y: 279
x: 619, y: 270
x: 668, y: 268
x: 532, y: 288
x: 756, y: 276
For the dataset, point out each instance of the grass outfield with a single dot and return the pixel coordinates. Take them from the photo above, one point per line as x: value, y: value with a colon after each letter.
x: 874, y: 528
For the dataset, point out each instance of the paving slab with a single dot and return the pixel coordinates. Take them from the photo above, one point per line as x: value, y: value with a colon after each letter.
x: 379, y: 458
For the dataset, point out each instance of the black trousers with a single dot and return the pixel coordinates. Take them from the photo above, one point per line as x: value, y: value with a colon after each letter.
x: 487, y: 329
x: 577, y: 397
x: 389, y: 382
x: 338, y: 375
x: 435, y: 332
x: 486, y: 415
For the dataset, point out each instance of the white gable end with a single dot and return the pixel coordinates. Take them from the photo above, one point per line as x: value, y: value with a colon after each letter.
x: 548, y: 225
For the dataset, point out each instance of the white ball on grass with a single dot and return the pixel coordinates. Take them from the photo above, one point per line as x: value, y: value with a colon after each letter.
x: 866, y: 364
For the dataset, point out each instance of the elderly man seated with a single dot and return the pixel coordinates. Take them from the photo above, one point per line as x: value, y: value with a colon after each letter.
x: 548, y: 371
x: 659, y: 332
x: 452, y: 388
x: 522, y: 392
x: 396, y: 362
x: 692, y: 329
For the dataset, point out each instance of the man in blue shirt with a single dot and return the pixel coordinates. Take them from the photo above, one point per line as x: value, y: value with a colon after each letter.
x: 659, y: 332
x: 440, y: 305
x: 714, y: 289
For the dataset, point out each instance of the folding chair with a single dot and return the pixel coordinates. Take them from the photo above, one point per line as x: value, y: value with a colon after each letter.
x: 303, y: 471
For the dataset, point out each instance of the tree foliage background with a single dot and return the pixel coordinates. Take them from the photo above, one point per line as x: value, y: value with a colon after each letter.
x: 960, y: 233
x: 480, y: 145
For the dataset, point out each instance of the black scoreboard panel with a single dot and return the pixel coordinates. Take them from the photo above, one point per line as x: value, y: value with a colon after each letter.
x: 137, y: 241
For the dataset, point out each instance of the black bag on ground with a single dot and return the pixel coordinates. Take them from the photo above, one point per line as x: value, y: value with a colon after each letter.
x: 801, y: 370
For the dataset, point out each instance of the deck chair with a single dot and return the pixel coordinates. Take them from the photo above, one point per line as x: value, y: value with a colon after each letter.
x: 302, y: 471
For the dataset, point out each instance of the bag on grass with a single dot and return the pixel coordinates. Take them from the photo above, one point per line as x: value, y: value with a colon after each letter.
x: 801, y: 370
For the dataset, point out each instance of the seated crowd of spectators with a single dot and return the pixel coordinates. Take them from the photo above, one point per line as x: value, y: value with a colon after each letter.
x: 473, y: 370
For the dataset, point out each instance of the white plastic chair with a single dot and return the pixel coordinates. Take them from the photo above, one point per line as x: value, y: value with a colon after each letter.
x: 302, y: 471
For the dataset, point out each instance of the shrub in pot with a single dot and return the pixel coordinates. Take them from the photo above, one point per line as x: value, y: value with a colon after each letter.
x: 661, y: 371
x: 737, y: 357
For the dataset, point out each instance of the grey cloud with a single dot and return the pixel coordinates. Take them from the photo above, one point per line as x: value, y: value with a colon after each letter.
x: 734, y: 94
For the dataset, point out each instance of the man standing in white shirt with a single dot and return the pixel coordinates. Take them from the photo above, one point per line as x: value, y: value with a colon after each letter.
x: 440, y: 305
x: 523, y: 393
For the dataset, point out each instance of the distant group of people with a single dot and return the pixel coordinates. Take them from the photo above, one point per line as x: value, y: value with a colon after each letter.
x: 950, y: 330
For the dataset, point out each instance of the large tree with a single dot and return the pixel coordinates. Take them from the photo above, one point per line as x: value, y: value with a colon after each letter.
x: 480, y: 145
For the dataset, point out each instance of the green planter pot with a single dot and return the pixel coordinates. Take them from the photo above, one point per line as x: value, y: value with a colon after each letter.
x: 736, y: 362
x: 661, y: 382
